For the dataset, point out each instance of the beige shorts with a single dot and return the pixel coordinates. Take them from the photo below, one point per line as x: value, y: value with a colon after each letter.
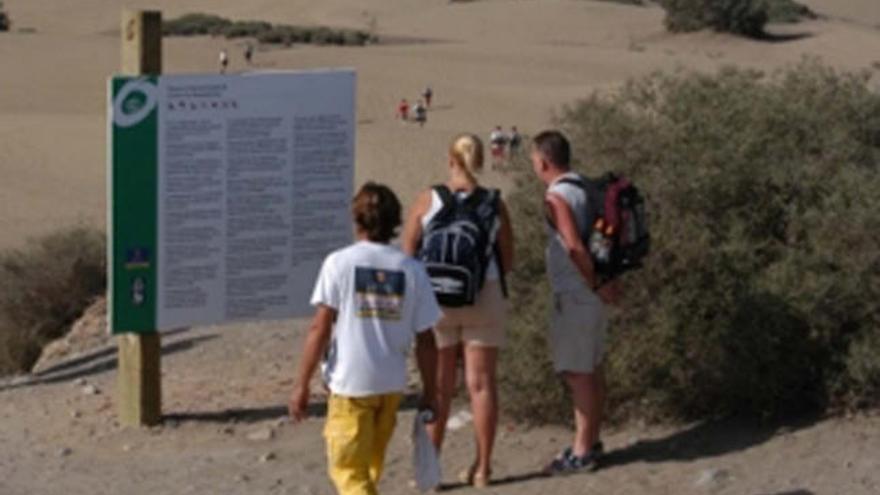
x: 481, y: 324
x: 578, y: 329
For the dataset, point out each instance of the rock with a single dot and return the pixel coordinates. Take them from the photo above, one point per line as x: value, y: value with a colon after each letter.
x: 80, y: 382
x: 710, y: 478
x: 226, y: 430
x: 242, y: 478
x: 64, y: 451
x: 268, y: 456
x: 90, y: 389
x: 261, y: 435
x: 126, y: 448
x: 75, y: 414
x: 86, y: 334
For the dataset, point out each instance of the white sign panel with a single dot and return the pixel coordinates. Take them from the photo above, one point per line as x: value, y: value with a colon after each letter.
x: 254, y: 179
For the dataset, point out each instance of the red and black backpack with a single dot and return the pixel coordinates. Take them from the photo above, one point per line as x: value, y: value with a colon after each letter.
x: 617, y: 220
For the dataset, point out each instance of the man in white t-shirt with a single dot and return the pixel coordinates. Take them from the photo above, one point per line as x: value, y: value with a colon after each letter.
x: 372, y: 302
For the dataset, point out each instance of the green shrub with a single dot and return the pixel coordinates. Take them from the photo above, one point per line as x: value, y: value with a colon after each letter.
x: 195, y: 25
x: 626, y: 2
x: 263, y: 32
x: 44, y: 287
x: 5, y: 22
x: 746, y: 17
x: 246, y: 29
x: 759, y: 297
x: 861, y: 387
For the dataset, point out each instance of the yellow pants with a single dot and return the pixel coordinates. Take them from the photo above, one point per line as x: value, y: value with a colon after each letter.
x: 357, y: 432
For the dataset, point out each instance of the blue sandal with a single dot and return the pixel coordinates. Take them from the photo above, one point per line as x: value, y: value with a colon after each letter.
x: 568, y: 463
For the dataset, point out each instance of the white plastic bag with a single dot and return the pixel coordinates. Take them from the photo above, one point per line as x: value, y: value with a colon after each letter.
x: 426, y: 465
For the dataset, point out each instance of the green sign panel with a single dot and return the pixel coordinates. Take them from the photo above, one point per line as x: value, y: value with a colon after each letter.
x: 133, y: 203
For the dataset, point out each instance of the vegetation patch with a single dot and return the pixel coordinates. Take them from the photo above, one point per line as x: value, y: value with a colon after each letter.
x: 264, y: 32
x: 5, y: 21
x: 743, y: 17
x: 626, y: 2
x: 760, y: 296
x: 44, y: 287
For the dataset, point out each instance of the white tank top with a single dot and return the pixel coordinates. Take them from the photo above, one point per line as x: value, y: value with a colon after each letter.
x: 437, y: 204
x: 564, y: 275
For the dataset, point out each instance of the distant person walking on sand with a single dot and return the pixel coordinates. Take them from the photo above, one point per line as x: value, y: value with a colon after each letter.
x: 249, y: 53
x: 372, y: 301
x: 421, y: 112
x: 497, y: 143
x: 428, y: 94
x: 403, y: 110
x: 474, y: 329
x: 224, y: 61
x: 515, y: 139
x: 579, y: 321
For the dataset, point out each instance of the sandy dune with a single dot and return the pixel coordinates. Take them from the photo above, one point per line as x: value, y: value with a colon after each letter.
x: 490, y: 62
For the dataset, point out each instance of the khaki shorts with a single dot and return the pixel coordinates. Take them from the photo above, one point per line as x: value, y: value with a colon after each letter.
x: 578, y: 328
x: 481, y: 324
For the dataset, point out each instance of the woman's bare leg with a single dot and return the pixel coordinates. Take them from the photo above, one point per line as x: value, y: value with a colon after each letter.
x: 480, y: 365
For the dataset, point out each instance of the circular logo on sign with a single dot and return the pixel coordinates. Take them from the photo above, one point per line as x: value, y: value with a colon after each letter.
x: 134, y: 102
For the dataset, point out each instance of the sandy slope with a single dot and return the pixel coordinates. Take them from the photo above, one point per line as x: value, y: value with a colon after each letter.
x: 222, y: 385
x: 493, y: 61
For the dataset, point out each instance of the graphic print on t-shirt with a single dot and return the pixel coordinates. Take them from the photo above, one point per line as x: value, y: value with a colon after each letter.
x: 379, y: 293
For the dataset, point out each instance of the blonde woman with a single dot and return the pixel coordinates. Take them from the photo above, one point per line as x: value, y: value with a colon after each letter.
x: 472, y: 327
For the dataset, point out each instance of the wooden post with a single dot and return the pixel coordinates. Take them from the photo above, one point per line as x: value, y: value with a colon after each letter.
x: 141, y: 43
x: 139, y: 394
x: 139, y: 385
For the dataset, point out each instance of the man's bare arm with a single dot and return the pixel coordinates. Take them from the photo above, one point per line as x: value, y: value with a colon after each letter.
x: 563, y: 219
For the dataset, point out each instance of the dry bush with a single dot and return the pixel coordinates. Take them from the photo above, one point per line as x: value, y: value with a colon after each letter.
x: 745, y: 17
x: 264, y: 32
x: 44, y: 287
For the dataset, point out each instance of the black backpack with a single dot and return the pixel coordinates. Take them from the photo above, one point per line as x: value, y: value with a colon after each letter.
x: 618, y: 238
x: 458, y: 244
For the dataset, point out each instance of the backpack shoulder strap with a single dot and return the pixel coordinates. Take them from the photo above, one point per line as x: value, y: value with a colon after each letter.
x: 448, y: 205
x: 574, y: 181
x: 485, y: 203
x: 446, y: 196
x: 481, y: 195
x: 592, y: 191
